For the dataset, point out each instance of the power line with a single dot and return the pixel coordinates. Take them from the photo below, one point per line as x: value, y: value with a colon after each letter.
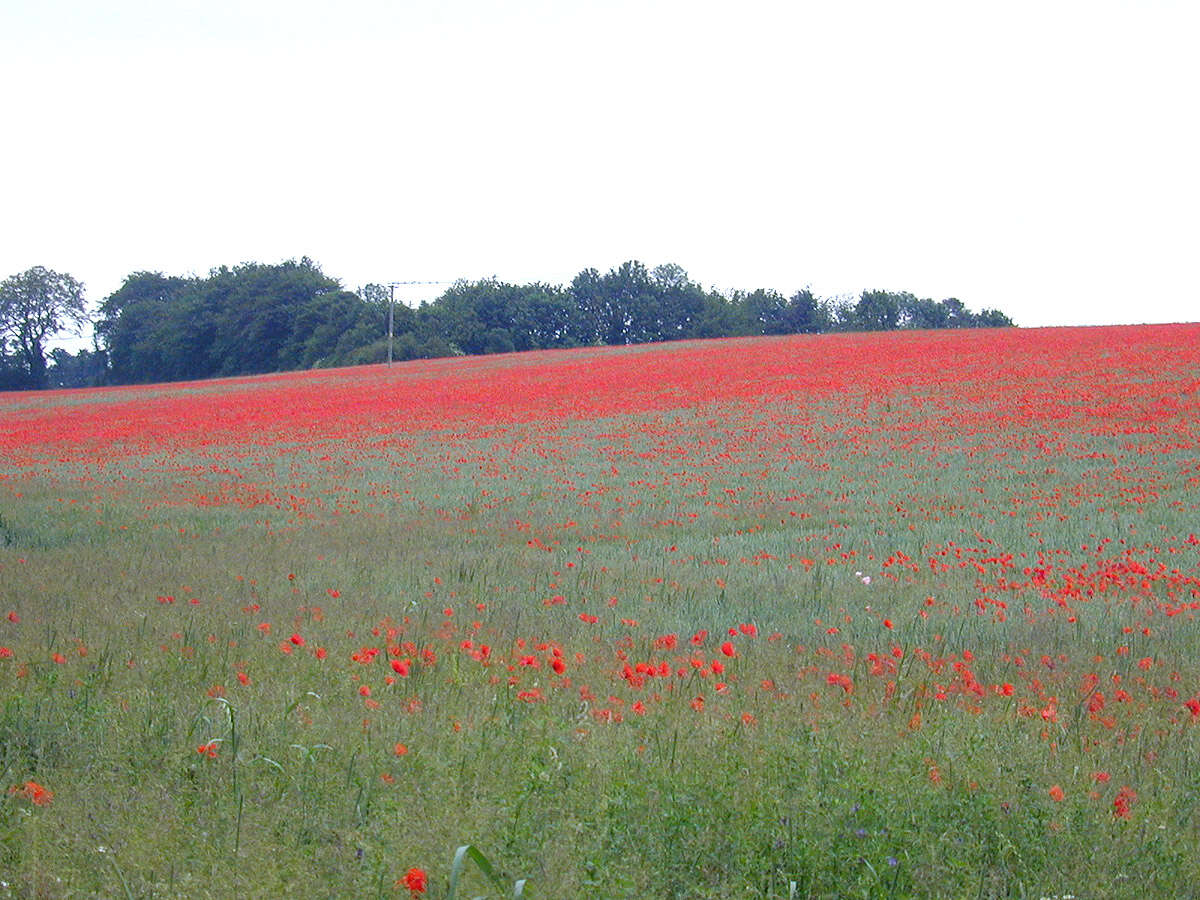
x: 392, y: 285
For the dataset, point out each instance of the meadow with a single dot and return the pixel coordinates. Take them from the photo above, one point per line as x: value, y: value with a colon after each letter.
x: 890, y: 615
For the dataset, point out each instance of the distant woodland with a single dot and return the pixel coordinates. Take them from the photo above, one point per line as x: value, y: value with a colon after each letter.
x: 257, y: 318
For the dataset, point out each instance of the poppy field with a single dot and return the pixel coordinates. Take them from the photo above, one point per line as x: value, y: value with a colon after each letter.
x: 848, y: 615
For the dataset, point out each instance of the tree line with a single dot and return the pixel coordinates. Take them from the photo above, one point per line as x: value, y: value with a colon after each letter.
x: 256, y: 318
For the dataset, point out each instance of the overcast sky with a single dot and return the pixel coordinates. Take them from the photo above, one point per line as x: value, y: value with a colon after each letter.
x: 1038, y: 157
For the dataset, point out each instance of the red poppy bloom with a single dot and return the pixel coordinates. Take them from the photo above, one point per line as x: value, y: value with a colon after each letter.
x: 1123, y: 802
x: 33, y: 792
x: 415, y: 880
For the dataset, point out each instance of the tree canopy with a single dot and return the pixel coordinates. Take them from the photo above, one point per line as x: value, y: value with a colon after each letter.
x: 249, y: 319
x: 258, y: 317
x: 36, y: 305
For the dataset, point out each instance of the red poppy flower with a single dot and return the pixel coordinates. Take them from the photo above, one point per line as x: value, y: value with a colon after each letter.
x: 415, y: 880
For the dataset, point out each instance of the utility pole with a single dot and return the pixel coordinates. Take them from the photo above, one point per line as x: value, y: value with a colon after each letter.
x: 391, y: 317
x: 392, y: 285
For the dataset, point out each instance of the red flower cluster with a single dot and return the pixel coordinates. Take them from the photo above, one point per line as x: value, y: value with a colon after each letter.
x: 33, y: 792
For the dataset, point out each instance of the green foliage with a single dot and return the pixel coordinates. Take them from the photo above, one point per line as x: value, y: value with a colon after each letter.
x: 35, y: 305
x: 265, y: 318
x: 87, y: 368
x: 249, y: 319
x: 468, y: 852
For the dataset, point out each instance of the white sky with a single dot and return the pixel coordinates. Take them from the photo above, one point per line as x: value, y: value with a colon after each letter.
x: 1039, y: 157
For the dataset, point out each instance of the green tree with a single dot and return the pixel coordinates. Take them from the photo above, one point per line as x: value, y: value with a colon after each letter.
x: 804, y: 315
x: 717, y: 317
x: 877, y: 311
x: 35, y: 306
x: 541, y: 317
x: 86, y: 368
x: 992, y: 318
x: 764, y: 311
x: 153, y: 330
x: 839, y: 312
x: 680, y: 302
x: 248, y: 319
x: 921, y: 313
x: 957, y: 314
x: 632, y: 317
x: 590, y: 310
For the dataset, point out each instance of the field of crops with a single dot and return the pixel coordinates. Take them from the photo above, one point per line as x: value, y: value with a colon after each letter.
x: 902, y: 614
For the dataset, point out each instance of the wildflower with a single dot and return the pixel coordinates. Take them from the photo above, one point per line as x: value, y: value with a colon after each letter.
x: 415, y: 880
x: 209, y: 749
x: 935, y: 774
x: 728, y: 649
x: 1123, y: 802
x: 400, y: 749
x: 1056, y: 794
x: 33, y: 792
